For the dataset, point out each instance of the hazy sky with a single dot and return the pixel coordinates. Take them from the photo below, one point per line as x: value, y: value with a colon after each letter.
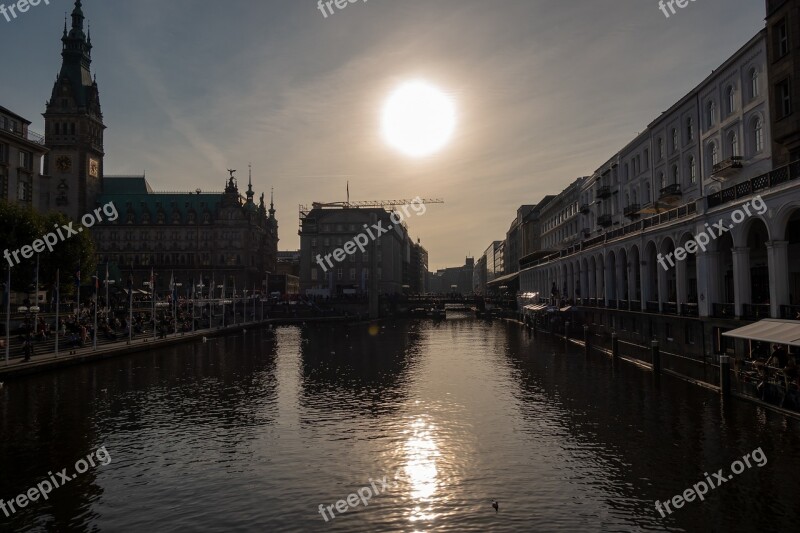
x: 546, y: 91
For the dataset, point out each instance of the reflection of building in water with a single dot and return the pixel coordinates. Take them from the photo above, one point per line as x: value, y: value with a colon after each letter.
x: 357, y: 360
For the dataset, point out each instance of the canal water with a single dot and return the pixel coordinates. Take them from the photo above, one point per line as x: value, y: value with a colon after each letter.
x: 255, y: 431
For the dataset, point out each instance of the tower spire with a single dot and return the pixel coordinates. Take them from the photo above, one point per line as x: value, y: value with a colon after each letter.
x: 272, y: 202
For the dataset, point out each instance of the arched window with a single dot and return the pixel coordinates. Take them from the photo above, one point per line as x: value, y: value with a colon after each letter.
x: 662, y: 180
x: 711, y: 114
x: 674, y: 139
x: 758, y: 134
x: 635, y: 196
x: 713, y: 154
x: 647, y: 193
x: 690, y: 129
x: 674, y: 174
x: 754, y: 83
x: 692, y: 170
x: 731, y: 93
x: 660, y: 148
x: 733, y: 144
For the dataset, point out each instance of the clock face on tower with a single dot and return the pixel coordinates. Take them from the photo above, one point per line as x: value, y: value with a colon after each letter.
x: 94, y: 168
x: 64, y: 164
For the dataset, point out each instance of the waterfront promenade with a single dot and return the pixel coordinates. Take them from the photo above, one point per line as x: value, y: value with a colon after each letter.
x: 48, y: 360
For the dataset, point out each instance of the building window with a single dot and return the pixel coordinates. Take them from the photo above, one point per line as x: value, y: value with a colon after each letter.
x: 758, y: 135
x: 339, y: 274
x: 783, y: 99
x: 674, y: 174
x: 675, y: 142
x: 660, y: 149
x: 352, y: 274
x: 314, y: 274
x: 690, y: 129
x: 711, y: 114
x: 662, y: 180
x: 713, y: 154
x: 692, y: 170
x: 754, y: 83
x: 731, y: 100
x: 781, y: 39
x: 733, y: 144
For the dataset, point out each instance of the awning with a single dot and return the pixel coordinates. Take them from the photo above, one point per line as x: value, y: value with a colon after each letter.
x: 534, y: 308
x: 769, y: 330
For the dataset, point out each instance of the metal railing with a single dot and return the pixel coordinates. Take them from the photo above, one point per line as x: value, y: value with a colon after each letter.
x: 755, y: 311
x: 723, y: 310
x: 752, y: 186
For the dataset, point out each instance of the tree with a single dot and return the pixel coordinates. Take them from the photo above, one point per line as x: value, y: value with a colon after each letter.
x: 21, y: 226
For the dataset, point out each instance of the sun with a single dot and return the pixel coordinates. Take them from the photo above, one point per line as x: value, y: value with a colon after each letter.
x: 418, y: 119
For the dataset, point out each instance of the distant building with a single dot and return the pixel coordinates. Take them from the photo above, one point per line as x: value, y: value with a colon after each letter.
x: 289, y: 263
x: 418, y: 279
x: 457, y: 280
x: 514, y: 241
x: 324, y: 230
x: 21, y: 152
x: 201, y: 236
x: 490, y: 266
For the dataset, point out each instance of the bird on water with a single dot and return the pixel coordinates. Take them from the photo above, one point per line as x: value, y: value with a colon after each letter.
x: 496, y: 506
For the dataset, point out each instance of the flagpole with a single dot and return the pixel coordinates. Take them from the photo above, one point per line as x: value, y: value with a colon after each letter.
x: 79, y: 291
x: 58, y: 301
x: 193, y: 289
x: 153, y: 293
x: 8, y: 315
x: 108, y: 307
x: 130, y: 308
x: 96, y: 305
x: 174, y: 296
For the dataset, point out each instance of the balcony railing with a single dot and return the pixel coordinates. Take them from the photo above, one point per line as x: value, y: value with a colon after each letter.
x: 671, y: 191
x: 632, y: 211
x: 687, y: 210
x: 585, y: 208
x: 605, y: 220
x: 690, y: 310
x: 790, y: 312
x: 771, y: 179
x: 727, y: 167
x: 755, y: 311
x: 26, y: 134
x: 724, y: 311
x: 604, y: 191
